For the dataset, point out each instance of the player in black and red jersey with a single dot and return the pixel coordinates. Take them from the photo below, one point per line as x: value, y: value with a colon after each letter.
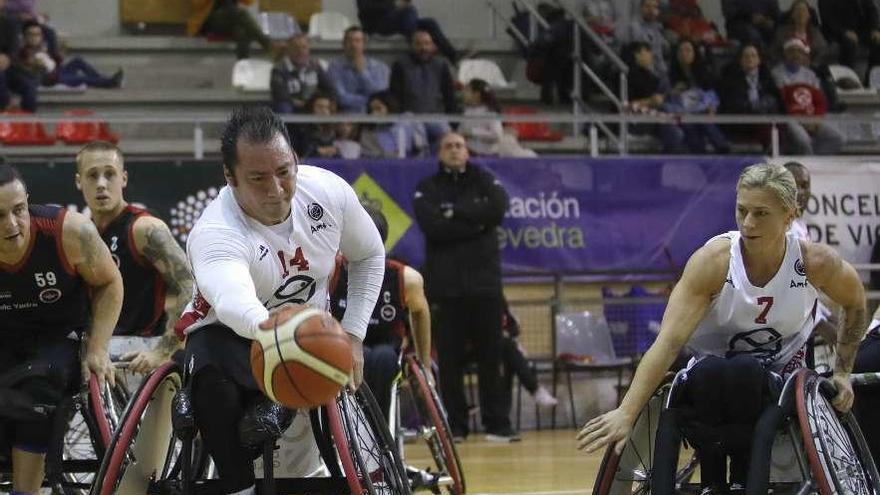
x: 157, y: 280
x: 53, y: 268
x: 401, y: 304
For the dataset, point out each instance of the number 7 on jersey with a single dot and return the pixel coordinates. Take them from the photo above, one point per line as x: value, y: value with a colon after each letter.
x: 767, y: 302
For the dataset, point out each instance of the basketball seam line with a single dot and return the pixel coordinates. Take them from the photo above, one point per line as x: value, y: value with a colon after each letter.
x: 297, y: 320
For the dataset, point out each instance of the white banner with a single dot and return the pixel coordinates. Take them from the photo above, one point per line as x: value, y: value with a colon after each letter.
x: 844, y: 207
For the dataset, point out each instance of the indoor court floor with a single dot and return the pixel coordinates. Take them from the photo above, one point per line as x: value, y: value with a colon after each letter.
x: 545, y: 462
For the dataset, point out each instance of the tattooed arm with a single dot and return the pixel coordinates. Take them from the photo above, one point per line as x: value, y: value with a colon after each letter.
x: 839, y: 280
x: 91, y: 259
x: 155, y: 242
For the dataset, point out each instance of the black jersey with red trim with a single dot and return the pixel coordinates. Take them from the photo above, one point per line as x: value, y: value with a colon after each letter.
x: 390, y: 318
x: 42, y: 293
x: 143, y: 305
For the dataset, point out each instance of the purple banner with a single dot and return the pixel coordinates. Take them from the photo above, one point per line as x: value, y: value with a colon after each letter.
x: 566, y: 214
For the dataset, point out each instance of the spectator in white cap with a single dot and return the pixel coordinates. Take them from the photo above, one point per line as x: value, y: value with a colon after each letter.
x: 802, y: 95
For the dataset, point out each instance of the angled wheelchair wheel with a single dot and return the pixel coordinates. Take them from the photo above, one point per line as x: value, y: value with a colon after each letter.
x: 434, y: 425
x: 368, y: 454
x: 92, y: 420
x: 143, y: 448
x: 838, y: 455
x: 630, y: 471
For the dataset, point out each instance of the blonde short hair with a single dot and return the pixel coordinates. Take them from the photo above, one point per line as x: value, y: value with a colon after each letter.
x: 775, y: 178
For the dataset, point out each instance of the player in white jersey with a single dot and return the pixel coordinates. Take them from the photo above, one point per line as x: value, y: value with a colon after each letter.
x: 268, y: 240
x: 744, y: 306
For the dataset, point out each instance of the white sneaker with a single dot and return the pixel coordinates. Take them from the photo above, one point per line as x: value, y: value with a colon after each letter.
x: 544, y: 399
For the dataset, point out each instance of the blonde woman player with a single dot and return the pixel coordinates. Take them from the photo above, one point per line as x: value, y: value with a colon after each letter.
x: 745, y: 307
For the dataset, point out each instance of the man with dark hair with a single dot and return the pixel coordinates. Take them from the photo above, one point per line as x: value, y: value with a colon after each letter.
x: 9, y: 44
x: 355, y: 75
x: 387, y: 17
x: 458, y: 209
x: 422, y: 83
x: 751, y: 21
x: 154, y: 270
x: 268, y: 241
x: 53, y: 269
x: 401, y: 307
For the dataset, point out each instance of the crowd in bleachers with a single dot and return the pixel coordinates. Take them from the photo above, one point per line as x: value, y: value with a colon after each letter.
x: 773, y: 61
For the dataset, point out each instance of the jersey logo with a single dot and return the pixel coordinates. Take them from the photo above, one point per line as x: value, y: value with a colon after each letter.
x: 388, y: 312
x: 297, y: 289
x: 315, y: 211
x: 799, y: 285
x: 263, y: 252
x: 50, y: 295
x: 320, y: 226
x: 113, y: 246
x: 762, y: 343
x: 799, y: 268
x: 730, y: 281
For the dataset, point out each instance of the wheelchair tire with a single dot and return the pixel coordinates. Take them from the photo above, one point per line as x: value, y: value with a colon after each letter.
x: 630, y: 471
x: 129, y: 467
x: 90, y: 425
x: 435, y: 425
x: 838, y: 455
x: 373, y: 457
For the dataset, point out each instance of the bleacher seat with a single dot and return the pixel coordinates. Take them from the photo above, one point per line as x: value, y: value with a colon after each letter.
x: 847, y: 81
x: 251, y: 74
x: 328, y: 26
x: 532, y: 131
x: 874, y: 78
x: 278, y: 25
x: 82, y: 132
x: 485, y: 69
x: 23, y: 133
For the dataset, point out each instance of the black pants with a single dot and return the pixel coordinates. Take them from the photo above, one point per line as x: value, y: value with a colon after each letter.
x: 716, y: 408
x: 867, y: 403
x: 475, y: 321
x: 514, y: 363
x: 222, y: 388
x: 380, y: 368
x: 849, y: 50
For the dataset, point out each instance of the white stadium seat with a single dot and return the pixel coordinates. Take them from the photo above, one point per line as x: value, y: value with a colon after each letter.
x: 485, y: 69
x: 328, y: 26
x: 251, y: 74
x: 278, y: 25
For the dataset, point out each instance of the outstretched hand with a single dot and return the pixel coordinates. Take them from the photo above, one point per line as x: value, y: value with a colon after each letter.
x: 613, y: 427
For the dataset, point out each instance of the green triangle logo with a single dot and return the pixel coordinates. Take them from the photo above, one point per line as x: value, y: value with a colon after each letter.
x: 371, y: 193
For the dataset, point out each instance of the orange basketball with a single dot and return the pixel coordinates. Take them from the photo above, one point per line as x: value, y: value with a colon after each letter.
x: 303, y: 359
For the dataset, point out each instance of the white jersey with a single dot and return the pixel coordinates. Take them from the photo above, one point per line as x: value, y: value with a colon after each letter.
x: 772, y: 323
x: 242, y: 268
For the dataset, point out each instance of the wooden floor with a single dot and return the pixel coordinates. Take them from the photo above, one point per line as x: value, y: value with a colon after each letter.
x: 543, y: 463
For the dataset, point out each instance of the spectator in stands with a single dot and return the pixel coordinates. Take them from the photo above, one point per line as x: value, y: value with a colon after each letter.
x: 601, y: 16
x: 26, y: 10
x: 647, y: 93
x: 227, y: 18
x: 748, y: 88
x: 9, y: 46
x: 422, y: 83
x: 388, y: 17
x: 48, y: 70
x: 648, y: 29
x: 296, y: 77
x: 458, y: 209
x: 684, y: 19
x: 355, y: 75
x: 751, y: 21
x: 802, y: 95
x: 853, y: 24
x: 400, y: 139
x: 317, y: 140
x: 488, y: 137
x: 693, y: 91
x: 799, y: 23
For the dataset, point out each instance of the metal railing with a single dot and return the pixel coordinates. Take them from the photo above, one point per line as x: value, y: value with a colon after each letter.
x: 197, y: 120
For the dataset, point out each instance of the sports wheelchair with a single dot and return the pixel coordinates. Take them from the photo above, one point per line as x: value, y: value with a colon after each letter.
x: 814, y: 448
x: 156, y: 450
x: 413, y: 391
x: 82, y: 426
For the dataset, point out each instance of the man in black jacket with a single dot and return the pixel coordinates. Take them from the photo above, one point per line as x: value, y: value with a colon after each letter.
x: 852, y: 24
x: 387, y: 17
x: 458, y: 209
x: 10, y: 41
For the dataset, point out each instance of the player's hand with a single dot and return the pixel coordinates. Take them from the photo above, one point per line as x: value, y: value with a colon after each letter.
x: 843, y: 401
x: 98, y: 362
x: 357, y: 361
x: 613, y: 427
x: 144, y: 361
